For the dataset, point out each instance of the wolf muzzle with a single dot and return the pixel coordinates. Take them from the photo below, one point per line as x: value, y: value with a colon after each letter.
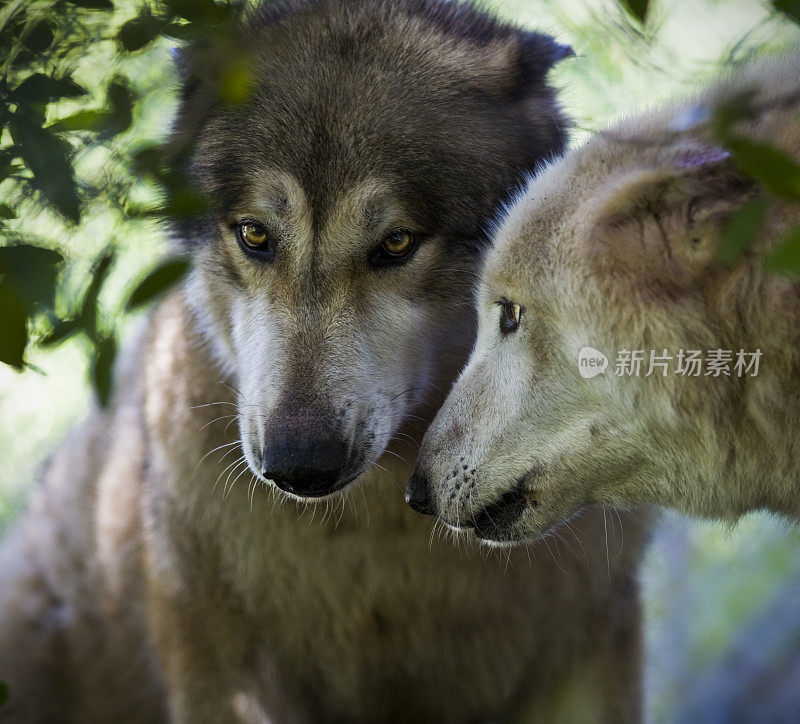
x: 303, y: 451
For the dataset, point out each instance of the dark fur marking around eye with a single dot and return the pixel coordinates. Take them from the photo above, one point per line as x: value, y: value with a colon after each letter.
x: 510, y: 315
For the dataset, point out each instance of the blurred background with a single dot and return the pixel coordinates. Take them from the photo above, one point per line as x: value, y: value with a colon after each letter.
x: 722, y: 603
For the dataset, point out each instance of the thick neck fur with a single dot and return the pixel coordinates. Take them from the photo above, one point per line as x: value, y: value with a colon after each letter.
x: 286, y: 572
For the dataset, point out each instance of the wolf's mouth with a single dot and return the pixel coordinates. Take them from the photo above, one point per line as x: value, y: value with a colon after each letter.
x: 315, y: 486
x: 496, y: 521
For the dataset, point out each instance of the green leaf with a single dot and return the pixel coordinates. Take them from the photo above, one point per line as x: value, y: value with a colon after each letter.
x: 788, y: 7
x: 140, y: 31
x: 785, y: 257
x: 7, y: 167
x: 158, y: 281
x: 61, y: 331
x: 775, y: 170
x: 93, y: 4
x: 46, y: 155
x: 236, y: 79
x: 180, y: 31
x: 730, y: 110
x: 105, y: 352
x: 742, y: 230
x: 149, y: 159
x: 40, y: 37
x: 13, y: 326
x: 198, y: 11
x: 88, y: 312
x: 186, y: 203
x: 31, y: 272
x: 636, y: 8
x: 119, y: 118
x: 121, y: 99
x: 181, y: 204
x: 41, y: 88
x: 88, y: 120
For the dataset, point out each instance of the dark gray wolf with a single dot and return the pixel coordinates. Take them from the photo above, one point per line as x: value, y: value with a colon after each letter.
x: 172, y: 565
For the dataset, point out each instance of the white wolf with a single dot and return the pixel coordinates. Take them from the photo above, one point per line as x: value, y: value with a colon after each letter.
x: 614, y: 248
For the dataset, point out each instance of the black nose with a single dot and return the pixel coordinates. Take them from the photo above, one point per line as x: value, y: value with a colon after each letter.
x: 310, y: 470
x: 417, y: 495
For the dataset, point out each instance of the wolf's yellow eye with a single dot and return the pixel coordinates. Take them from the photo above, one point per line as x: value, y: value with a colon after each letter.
x: 396, y: 248
x: 253, y: 235
x: 398, y: 243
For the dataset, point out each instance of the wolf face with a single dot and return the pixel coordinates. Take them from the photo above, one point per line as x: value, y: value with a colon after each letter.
x: 615, y: 248
x: 351, y: 193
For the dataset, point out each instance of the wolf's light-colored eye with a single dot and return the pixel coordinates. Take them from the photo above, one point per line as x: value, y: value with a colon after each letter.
x: 253, y: 235
x: 398, y: 243
x: 510, y: 315
x: 396, y: 248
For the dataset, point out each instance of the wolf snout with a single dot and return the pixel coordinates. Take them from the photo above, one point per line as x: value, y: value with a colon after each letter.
x: 306, y: 468
x: 418, y: 494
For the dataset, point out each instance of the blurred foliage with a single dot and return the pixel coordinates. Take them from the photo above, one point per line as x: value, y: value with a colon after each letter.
x: 637, y: 9
x: 776, y: 173
x: 47, y: 120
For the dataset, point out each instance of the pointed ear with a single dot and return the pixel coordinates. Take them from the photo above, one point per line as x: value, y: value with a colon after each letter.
x: 663, y: 222
x: 538, y: 53
x: 700, y: 177
x: 516, y: 67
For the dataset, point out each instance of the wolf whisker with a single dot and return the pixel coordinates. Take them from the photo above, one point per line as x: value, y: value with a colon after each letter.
x: 219, y: 447
x: 226, y: 491
x: 217, y: 419
x: 210, y: 404
x: 621, y: 532
x: 341, y: 513
x: 580, y: 543
x: 400, y: 457
x: 232, y: 388
x: 235, y: 462
x: 555, y: 560
x: 608, y: 559
x: 228, y: 452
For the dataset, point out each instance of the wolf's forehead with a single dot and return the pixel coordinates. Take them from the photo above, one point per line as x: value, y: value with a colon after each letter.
x: 365, y: 208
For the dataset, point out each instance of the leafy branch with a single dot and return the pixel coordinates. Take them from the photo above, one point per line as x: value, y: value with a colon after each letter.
x: 41, y: 44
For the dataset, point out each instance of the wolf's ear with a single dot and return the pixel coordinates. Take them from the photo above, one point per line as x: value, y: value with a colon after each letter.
x: 701, y: 176
x: 516, y: 67
x: 663, y: 222
x: 538, y: 53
